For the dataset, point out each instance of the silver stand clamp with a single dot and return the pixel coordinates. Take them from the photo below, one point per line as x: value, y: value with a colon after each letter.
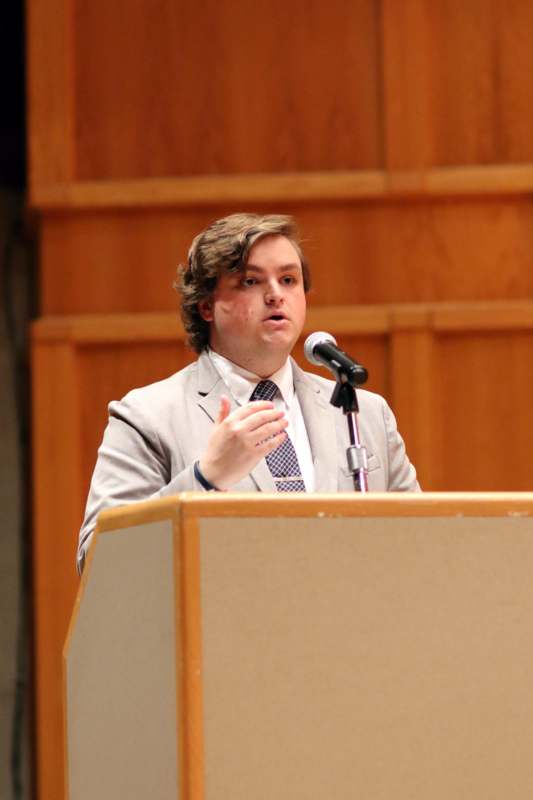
x: 344, y: 396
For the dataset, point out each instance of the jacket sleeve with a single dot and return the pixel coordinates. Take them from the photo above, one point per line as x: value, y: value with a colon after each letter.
x: 132, y: 465
x: 402, y: 474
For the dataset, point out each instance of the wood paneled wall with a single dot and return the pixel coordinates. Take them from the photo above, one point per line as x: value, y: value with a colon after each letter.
x: 394, y: 252
x: 398, y: 134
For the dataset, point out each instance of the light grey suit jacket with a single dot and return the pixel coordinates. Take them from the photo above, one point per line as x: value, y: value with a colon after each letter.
x: 156, y: 433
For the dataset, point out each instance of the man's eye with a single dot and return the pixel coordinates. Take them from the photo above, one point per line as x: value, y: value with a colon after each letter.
x: 249, y: 281
x: 288, y: 279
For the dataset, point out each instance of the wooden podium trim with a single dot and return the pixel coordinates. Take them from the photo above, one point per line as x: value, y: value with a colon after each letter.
x: 191, y: 505
x: 193, y: 776
x: 374, y: 504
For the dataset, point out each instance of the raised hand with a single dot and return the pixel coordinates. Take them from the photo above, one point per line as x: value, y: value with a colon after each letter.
x: 240, y: 440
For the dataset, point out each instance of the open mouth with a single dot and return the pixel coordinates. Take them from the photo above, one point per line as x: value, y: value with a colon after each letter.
x: 276, y: 317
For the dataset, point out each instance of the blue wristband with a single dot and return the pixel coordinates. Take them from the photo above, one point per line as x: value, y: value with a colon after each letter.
x: 204, y: 483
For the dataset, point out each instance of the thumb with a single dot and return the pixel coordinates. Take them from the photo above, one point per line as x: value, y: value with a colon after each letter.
x: 224, y: 408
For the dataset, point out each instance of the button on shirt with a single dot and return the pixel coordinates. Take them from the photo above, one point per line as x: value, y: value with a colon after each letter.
x: 241, y: 384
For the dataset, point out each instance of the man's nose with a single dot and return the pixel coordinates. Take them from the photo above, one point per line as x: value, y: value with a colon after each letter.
x: 273, y: 293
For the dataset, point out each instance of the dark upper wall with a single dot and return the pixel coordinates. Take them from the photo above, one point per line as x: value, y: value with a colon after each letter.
x: 12, y: 94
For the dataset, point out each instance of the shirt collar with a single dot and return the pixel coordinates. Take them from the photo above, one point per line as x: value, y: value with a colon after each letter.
x: 241, y: 382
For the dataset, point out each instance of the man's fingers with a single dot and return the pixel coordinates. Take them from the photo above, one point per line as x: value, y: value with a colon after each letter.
x: 224, y: 408
x: 265, y: 432
x: 252, y: 408
x: 256, y: 421
x: 266, y: 447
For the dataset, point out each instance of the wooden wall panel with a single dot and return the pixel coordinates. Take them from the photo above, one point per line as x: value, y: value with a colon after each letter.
x: 457, y: 250
x: 481, y: 81
x: 407, y: 85
x: 483, y: 396
x: 460, y: 250
x: 347, y: 86
x: 50, y: 92
x: 464, y: 83
x: 515, y: 72
x: 182, y: 89
x: 122, y: 261
x: 458, y: 83
x: 412, y: 366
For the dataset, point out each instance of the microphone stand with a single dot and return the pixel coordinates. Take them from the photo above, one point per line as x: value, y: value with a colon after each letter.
x: 344, y: 396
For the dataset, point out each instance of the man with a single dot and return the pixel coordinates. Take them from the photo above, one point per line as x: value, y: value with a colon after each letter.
x: 244, y: 416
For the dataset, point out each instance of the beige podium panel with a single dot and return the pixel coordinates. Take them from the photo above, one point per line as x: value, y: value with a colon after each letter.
x: 239, y: 647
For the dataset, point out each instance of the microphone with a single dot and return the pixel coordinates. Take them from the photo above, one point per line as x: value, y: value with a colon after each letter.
x: 320, y: 348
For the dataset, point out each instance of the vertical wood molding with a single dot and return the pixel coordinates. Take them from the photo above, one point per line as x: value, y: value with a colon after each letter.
x: 50, y: 93
x: 406, y: 85
x: 412, y: 394
x: 57, y: 502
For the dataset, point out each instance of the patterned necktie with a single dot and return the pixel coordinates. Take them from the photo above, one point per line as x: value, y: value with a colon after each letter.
x: 283, y: 461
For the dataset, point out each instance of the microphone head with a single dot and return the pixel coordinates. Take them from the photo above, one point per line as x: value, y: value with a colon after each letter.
x: 311, y: 342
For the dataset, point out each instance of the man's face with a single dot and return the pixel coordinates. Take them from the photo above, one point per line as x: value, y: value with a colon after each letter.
x: 257, y: 315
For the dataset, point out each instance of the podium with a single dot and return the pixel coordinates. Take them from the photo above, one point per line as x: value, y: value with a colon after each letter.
x: 262, y: 647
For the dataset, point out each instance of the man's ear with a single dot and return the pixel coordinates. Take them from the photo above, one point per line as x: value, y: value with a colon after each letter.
x: 205, y: 307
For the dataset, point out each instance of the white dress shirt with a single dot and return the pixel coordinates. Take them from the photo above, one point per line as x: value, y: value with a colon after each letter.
x: 241, y: 384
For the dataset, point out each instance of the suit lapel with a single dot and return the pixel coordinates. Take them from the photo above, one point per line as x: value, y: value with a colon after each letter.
x: 319, y: 418
x: 210, y: 387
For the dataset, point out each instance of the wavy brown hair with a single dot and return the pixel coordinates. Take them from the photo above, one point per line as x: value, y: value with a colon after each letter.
x: 224, y: 247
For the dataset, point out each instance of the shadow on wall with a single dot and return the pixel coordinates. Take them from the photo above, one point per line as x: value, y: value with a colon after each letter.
x: 17, y: 290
